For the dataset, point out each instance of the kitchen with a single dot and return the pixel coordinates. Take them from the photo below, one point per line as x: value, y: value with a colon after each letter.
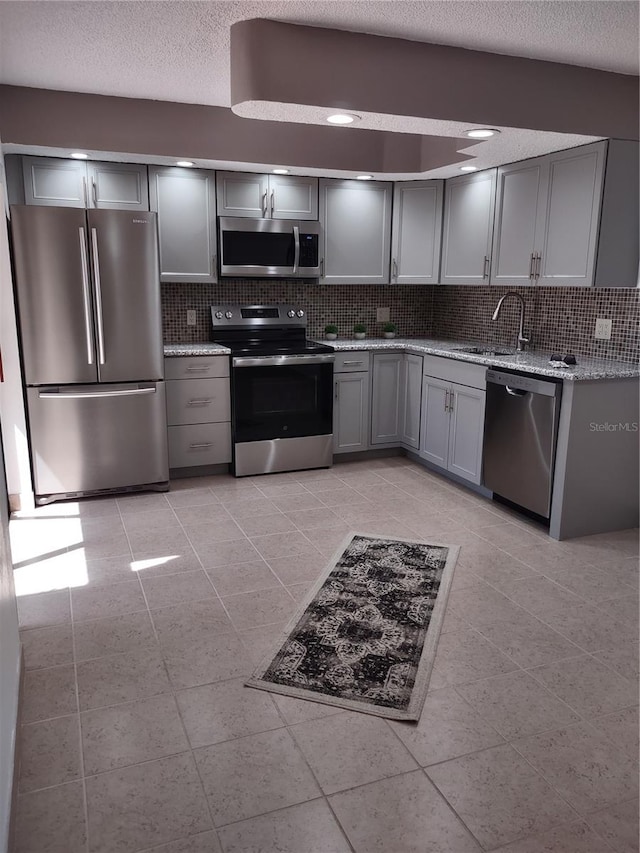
x: 456, y: 312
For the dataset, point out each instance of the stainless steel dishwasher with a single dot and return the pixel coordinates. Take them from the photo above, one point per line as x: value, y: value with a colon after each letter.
x: 520, y: 431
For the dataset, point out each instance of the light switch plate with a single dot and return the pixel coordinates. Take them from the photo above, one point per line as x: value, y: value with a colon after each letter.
x: 382, y: 315
x: 191, y: 317
x: 603, y: 329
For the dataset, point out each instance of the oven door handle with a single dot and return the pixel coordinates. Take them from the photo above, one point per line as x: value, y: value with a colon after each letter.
x: 296, y: 248
x: 281, y: 360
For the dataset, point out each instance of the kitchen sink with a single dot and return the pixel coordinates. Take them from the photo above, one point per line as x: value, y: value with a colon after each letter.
x: 481, y: 351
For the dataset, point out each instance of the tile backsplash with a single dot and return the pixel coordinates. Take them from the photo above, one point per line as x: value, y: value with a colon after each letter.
x: 558, y: 319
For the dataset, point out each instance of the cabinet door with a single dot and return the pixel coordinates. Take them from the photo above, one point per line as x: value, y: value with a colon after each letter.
x: 350, y: 412
x: 411, y: 400
x: 48, y: 181
x: 467, y: 228
x: 416, y: 231
x: 293, y: 197
x: 356, y: 220
x: 387, y: 396
x: 242, y: 194
x: 466, y: 432
x: 118, y: 186
x: 185, y: 202
x: 434, y: 427
x: 572, y: 215
x: 519, y: 221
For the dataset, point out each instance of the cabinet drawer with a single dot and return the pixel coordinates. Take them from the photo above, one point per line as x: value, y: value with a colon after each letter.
x: 351, y: 362
x: 199, y: 444
x: 198, y: 367
x: 198, y: 401
x: 462, y: 372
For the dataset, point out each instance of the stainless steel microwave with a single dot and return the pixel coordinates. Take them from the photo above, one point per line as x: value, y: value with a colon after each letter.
x: 269, y: 247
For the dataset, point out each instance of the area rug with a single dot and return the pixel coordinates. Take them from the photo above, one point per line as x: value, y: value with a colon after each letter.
x: 365, y: 636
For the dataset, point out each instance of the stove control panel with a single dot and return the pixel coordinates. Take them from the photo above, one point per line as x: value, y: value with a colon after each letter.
x: 257, y: 316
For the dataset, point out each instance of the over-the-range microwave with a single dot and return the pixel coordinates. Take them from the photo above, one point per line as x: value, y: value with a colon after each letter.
x: 269, y: 247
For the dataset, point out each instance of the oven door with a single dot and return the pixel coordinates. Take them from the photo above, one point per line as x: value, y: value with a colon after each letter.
x: 267, y: 247
x: 277, y: 397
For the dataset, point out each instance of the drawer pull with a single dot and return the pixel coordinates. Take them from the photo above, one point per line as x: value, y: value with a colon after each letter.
x: 198, y: 369
x: 353, y: 362
x: 199, y: 402
x: 204, y: 444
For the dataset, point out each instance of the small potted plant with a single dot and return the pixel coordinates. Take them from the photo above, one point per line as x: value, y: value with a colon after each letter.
x: 389, y: 330
x: 360, y: 331
x: 331, y: 331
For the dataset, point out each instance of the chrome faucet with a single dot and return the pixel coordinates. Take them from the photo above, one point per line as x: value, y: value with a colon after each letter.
x: 522, y: 341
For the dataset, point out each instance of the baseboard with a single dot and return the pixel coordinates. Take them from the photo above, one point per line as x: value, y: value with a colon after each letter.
x: 16, y: 755
x: 197, y: 471
x: 447, y: 475
x: 361, y: 455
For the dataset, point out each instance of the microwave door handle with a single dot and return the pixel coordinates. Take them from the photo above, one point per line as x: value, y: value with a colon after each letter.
x: 296, y: 251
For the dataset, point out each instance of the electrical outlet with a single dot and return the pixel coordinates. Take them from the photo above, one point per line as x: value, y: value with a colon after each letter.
x: 603, y: 329
x: 382, y: 315
x: 191, y: 317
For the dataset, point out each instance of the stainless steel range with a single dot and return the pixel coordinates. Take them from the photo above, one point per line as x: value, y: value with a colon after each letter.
x: 281, y: 389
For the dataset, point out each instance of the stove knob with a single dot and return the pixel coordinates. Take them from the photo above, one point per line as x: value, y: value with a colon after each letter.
x: 291, y: 313
x: 228, y: 314
x: 300, y: 313
x: 219, y: 315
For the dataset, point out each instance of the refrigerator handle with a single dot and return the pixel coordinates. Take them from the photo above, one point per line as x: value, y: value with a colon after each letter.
x: 86, y: 296
x: 96, y: 279
x: 83, y: 395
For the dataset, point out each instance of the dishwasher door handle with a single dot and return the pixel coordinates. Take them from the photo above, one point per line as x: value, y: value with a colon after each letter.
x: 516, y: 392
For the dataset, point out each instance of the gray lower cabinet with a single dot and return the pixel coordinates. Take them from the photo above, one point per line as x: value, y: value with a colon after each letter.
x: 411, y: 401
x: 396, y: 399
x: 351, y: 415
x: 356, y: 231
x: 467, y: 228
x: 416, y: 232
x: 198, y: 411
x: 185, y: 202
x: 267, y: 196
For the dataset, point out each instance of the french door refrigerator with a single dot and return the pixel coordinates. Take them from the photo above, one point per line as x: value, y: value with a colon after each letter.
x: 88, y: 294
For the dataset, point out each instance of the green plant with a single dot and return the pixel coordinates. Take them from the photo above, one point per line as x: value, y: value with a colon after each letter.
x: 389, y: 327
x: 360, y: 328
x: 331, y: 329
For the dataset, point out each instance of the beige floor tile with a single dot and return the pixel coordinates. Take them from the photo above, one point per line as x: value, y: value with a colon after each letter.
x: 131, y: 733
x: 483, y: 605
x: 44, y: 609
x: 342, y: 496
x: 204, y: 514
x: 262, y: 525
x: 499, y: 796
x: 203, y: 842
x: 283, y: 545
x: 285, y: 488
x: 449, y: 727
x: 572, y: 838
x: 624, y: 659
x: 326, y: 540
x: 206, y: 660
x: 256, y: 506
x: 132, y: 504
x: 589, y: 687
x: 624, y: 608
x: 300, y: 710
x: 109, y: 570
x: 225, y: 553
x: 586, y: 768
x: 294, y: 503
x: 107, y: 545
x: 219, y: 712
x: 252, y: 609
x: 541, y: 596
x: 114, y: 635
x: 591, y: 584
x: 177, y: 589
x: 49, y: 753
x: 190, y: 496
x: 306, y: 828
x: 307, y: 519
x: 190, y: 622
x: 168, y: 542
x: 260, y: 641
x: 167, y: 792
x: 242, y: 577
x: 517, y: 705
x: 591, y: 628
x: 297, y: 569
x: 351, y: 749
x: 466, y: 656
x: 148, y: 522
x: 253, y: 775
x: 299, y: 590
x: 218, y: 529
x: 621, y: 727
x: 121, y: 678
x: 160, y: 561
x: 618, y: 825
x: 405, y: 814
x: 528, y: 640
x: 115, y: 599
x: 51, y: 821
x: 43, y: 647
x: 48, y: 693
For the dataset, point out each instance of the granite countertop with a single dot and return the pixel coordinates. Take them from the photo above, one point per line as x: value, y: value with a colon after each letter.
x: 528, y: 362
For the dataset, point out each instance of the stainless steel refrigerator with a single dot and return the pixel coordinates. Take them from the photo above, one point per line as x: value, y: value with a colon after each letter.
x: 89, y: 307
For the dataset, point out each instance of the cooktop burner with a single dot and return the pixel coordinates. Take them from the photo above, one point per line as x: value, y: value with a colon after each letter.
x: 276, y: 347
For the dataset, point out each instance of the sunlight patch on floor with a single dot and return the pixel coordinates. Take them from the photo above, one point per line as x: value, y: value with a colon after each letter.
x: 56, y: 572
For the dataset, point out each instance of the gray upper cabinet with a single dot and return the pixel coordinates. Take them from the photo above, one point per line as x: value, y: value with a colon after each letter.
x: 118, y: 186
x: 467, y: 228
x: 386, y: 401
x: 50, y: 181
x: 267, y: 196
x: 416, y: 232
x: 356, y: 222
x: 184, y: 200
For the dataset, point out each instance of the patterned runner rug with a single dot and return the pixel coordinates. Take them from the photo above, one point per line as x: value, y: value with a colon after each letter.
x: 365, y: 636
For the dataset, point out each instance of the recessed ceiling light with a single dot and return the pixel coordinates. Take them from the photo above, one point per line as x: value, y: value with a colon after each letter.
x: 481, y: 133
x: 280, y: 171
x: 78, y: 155
x: 364, y: 178
x: 468, y: 168
x: 342, y: 118
x: 185, y: 163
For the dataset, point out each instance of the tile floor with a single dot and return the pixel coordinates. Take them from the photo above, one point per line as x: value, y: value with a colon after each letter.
x: 141, y: 617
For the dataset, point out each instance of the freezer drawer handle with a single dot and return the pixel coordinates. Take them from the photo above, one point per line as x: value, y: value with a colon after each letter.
x: 79, y: 395
x: 96, y: 276
x: 353, y: 362
x: 199, y: 402
x: 516, y: 392
x: 86, y: 295
x: 204, y: 444
x: 198, y: 369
